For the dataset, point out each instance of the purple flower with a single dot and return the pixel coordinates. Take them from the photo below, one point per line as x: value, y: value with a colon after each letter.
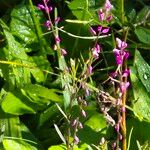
x: 76, y: 140
x: 120, y: 137
x: 99, y: 28
x: 121, y: 44
x: 93, y: 32
x: 45, y: 1
x: 124, y: 86
x: 126, y: 73
x: 96, y: 50
x: 57, y: 40
x: 108, y: 5
x: 74, y: 123
x: 113, y: 74
x: 109, y: 18
x: 101, y: 15
x: 40, y: 7
x: 83, y: 113
x: 105, y: 30
x: 117, y: 127
x: 80, y: 125
x: 118, y: 56
x: 47, y: 24
x: 57, y: 20
x: 89, y: 70
x: 126, y: 55
x: 123, y: 109
x: 63, y: 52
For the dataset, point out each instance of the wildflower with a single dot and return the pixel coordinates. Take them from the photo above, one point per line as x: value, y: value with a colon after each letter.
x: 93, y: 32
x: 123, y: 109
x: 108, y: 5
x: 109, y: 18
x: 83, y: 113
x: 46, y: 8
x: 80, y: 125
x: 74, y: 123
x: 124, y: 86
x: 102, y: 141
x: 101, y: 15
x: 47, y: 24
x: 113, y: 74
x: 126, y: 73
x: 105, y: 30
x: 41, y: 7
x: 120, y: 137
x: 57, y: 39
x: 76, y: 140
x: 96, y: 51
x: 99, y: 28
x: 57, y: 20
x: 45, y: 1
x: 121, y: 44
x: 63, y: 52
x: 117, y: 127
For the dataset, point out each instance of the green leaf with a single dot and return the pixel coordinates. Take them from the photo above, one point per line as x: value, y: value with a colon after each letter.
x: 143, y: 34
x: 14, y: 136
x: 58, y: 147
x: 10, y: 144
x: 96, y: 122
x: 13, y: 104
x: 141, y: 98
x: 143, y: 15
x: 80, y: 9
x: 49, y: 114
x: 22, y: 24
x: 143, y: 70
x: 35, y: 91
x: 140, y: 132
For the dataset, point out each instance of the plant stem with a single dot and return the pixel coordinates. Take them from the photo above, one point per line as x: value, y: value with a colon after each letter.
x: 122, y: 11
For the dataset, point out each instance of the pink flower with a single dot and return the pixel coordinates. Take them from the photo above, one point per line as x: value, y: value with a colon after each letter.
x: 57, y: 39
x: 121, y: 44
x: 45, y: 1
x: 101, y: 15
x: 47, y: 24
x: 109, y: 18
x: 126, y: 55
x: 117, y: 127
x: 63, y: 52
x: 89, y: 70
x: 105, y: 30
x: 124, y: 86
x: 99, y: 28
x: 74, y: 123
x: 93, y: 32
x: 57, y: 20
x: 126, y: 73
x: 76, y: 140
x: 108, y: 5
x: 80, y: 125
x: 40, y: 7
x: 96, y: 51
x: 113, y: 74
x: 83, y: 113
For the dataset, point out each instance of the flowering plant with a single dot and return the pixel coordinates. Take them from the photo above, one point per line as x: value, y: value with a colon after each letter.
x: 74, y: 75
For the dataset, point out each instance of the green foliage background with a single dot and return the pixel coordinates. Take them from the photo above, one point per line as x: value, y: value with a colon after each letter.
x: 30, y: 83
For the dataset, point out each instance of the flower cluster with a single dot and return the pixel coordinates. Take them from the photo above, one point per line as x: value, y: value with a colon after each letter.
x: 121, y: 55
x: 49, y: 24
x: 119, y: 77
x: 104, y: 16
x: 105, y: 13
